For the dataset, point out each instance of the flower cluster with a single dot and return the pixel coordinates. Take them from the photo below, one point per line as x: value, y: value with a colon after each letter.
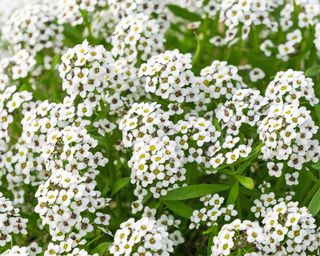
x: 247, y: 106
x: 287, y: 133
x: 211, y: 211
x: 219, y: 80
x: 291, y: 87
x: 33, y: 28
x: 236, y: 235
x: 148, y: 235
x: 116, y: 115
x: 86, y: 70
x: 169, y: 76
x: 124, y: 8
x: 11, y: 223
x: 137, y: 37
x: 32, y: 250
x: 70, y: 190
x: 71, y: 11
x: 287, y: 229
x: 156, y: 166
x: 144, y: 119
x: 239, y: 16
x: 290, y: 230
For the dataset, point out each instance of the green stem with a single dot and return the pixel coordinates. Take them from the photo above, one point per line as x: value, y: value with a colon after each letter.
x: 200, y: 42
x: 310, y: 193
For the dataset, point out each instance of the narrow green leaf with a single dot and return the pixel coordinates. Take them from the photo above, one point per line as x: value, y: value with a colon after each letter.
x: 103, y: 142
x: 316, y: 166
x: 184, y: 13
x: 317, y: 108
x: 102, y: 248
x: 194, y: 191
x: 179, y: 208
x: 210, y: 243
x: 243, y: 167
x: 119, y: 184
x: 234, y: 192
x: 314, y: 205
x: 56, y: 60
x: 310, y: 175
x: 313, y: 71
x: 247, y: 182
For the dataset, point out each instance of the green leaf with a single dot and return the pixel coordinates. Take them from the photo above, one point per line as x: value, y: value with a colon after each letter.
x: 102, y: 141
x: 194, y: 191
x: 243, y: 167
x: 316, y: 166
x: 313, y: 71
x: 314, y: 205
x: 102, y: 248
x: 121, y: 183
x: 234, y: 192
x: 259, y: 60
x: 55, y: 61
x: 210, y: 243
x: 317, y: 107
x: 179, y: 208
x: 247, y: 182
x: 310, y: 175
x: 183, y: 13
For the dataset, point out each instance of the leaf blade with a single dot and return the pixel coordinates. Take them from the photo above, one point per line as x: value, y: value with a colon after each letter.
x: 247, y: 182
x: 314, y: 205
x: 194, y: 191
x: 179, y: 208
x: 119, y: 184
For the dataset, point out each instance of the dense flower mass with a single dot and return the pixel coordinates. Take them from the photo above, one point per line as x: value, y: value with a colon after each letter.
x: 159, y: 127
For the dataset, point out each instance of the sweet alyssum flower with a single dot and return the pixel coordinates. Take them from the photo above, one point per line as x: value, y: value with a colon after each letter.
x: 147, y: 235
x: 33, y: 28
x: 86, y: 69
x: 137, y: 37
x: 211, y: 211
x: 11, y: 223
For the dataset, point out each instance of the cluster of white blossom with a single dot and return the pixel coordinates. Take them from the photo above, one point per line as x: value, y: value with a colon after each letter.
x: 148, y: 235
x: 291, y: 86
x: 247, y: 106
x: 7, y: 7
x: 103, y: 24
x: 65, y: 248
x: 124, y: 8
x: 15, y: 67
x: 235, y: 236
x: 124, y: 89
x: 10, y: 100
x: 285, y: 229
x: 211, y: 211
x: 32, y: 250
x: 239, y: 16
x: 219, y: 80
x: 289, y: 229
x: 309, y: 14
x: 156, y: 166
x: 163, y: 117
x: 169, y: 76
x: 267, y: 201
x: 10, y: 221
x: 287, y: 133
x: 33, y: 29
x: 71, y: 11
x: 85, y: 71
x: 61, y: 201
x: 137, y: 37
x: 143, y: 120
